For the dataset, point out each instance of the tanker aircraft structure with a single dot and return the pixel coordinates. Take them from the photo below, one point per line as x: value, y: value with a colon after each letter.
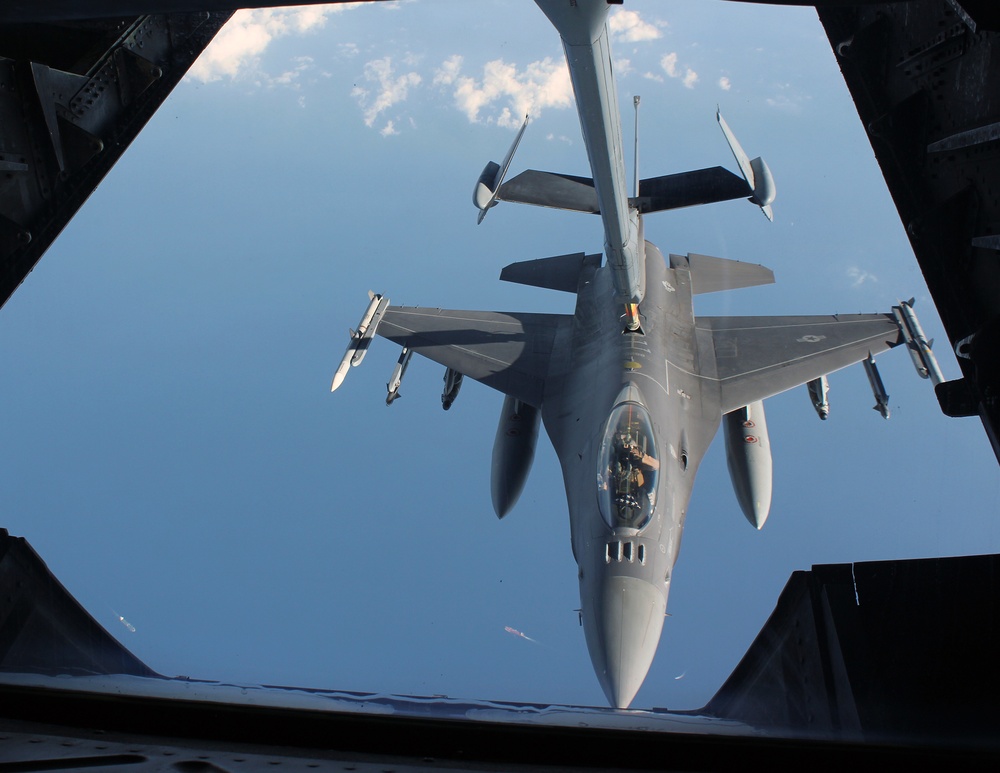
x: 632, y: 387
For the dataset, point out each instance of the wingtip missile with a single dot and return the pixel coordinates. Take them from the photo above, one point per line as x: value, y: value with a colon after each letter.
x: 341, y: 374
x: 487, y: 189
x: 917, y: 344
x: 361, y: 338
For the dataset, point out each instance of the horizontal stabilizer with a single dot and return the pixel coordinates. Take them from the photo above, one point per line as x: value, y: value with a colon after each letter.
x: 561, y: 272
x: 688, y: 189
x: 712, y: 275
x: 548, y: 189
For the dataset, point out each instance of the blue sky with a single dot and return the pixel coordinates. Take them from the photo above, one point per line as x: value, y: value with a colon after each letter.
x: 170, y: 444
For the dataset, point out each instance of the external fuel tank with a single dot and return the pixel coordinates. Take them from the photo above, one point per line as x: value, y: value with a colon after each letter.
x: 513, y: 453
x: 748, y: 454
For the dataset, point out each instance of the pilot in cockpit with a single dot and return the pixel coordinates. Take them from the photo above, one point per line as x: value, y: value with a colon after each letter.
x: 633, y: 475
x: 634, y: 462
x: 627, y: 477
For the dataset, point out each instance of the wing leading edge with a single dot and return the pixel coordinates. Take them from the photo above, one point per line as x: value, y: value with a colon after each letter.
x: 506, y: 351
x: 757, y: 357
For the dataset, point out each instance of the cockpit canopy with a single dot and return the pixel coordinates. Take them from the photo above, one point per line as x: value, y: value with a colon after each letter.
x: 628, y: 465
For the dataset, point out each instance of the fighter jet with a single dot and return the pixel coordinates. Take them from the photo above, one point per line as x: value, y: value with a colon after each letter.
x: 632, y: 387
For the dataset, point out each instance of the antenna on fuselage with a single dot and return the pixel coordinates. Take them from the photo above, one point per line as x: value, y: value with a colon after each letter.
x: 635, y: 164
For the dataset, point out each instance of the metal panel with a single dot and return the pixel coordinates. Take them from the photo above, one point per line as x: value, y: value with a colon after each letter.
x: 73, y: 96
x: 925, y: 77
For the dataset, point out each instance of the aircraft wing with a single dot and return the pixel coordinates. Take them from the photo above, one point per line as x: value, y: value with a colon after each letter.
x: 507, y: 351
x: 757, y: 357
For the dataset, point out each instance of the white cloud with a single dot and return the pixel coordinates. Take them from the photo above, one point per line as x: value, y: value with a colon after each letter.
x: 725, y: 84
x: 859, y: 276
x: 237, y: 49
x: 628, y: 27
x: 448, y: 72
x: 290, y: 77
x: 669, y: 65
x: 787, y: 98
x: 391, y: 89
x: 389, y: 129
x: 540, y: 85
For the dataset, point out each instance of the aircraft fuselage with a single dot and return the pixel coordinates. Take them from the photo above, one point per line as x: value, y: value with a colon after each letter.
x: 630, y: 389
x: 620, y: 404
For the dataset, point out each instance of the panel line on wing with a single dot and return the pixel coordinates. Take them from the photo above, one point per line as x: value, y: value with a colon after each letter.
x: 817, y: 353
x: 691, y: 373
x: 834, y: 323
x: 399, y: 311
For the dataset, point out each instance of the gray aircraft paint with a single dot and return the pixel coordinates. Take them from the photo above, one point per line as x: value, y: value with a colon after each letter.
x: 586, y: 42
x: 683, y: 372
x: 624, y: 601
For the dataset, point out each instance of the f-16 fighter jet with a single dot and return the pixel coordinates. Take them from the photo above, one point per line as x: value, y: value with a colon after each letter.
x: 632, y: 387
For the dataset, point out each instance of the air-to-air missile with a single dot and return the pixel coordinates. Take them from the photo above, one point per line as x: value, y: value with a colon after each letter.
x: 361, y: 338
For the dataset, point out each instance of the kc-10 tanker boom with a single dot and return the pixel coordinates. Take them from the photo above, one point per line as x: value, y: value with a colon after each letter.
x: 632, y: 387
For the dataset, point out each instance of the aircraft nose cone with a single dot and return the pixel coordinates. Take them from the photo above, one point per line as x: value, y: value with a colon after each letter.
x: 625, y: 629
